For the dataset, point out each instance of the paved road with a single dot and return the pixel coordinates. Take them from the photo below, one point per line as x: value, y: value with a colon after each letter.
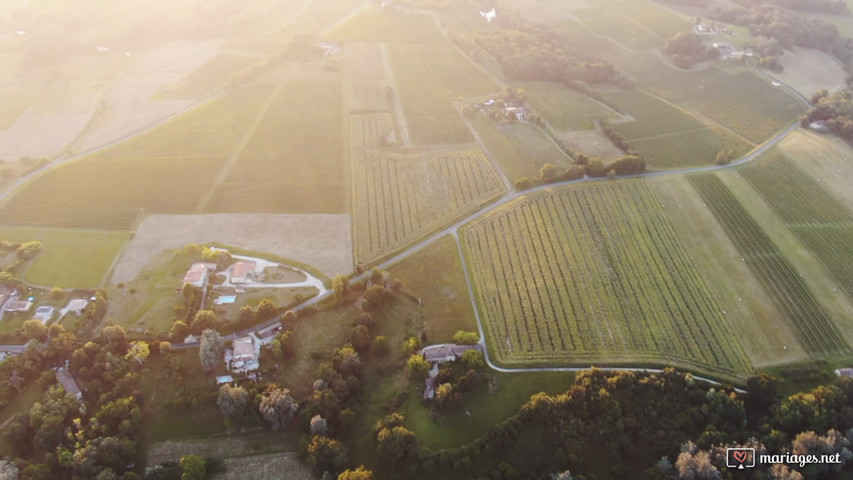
x: 449, y: 230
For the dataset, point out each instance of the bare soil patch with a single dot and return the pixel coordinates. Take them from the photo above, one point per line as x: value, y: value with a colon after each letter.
x: 126, y: 107
x: 45, y: 129
x: 590, y: 142
x: 321, y: 240
x: 263, y: 467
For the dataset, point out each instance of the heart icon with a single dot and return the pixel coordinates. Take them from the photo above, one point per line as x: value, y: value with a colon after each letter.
x: 740, y: 456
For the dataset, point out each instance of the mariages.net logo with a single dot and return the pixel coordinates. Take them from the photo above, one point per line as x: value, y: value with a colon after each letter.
x: 741, y: 458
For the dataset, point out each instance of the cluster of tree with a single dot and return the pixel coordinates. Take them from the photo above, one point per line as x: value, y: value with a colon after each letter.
x: 816, y: 6
x: 835, y: 110
x: 686, y: 50
x: 770, y: 63
x: 531, y: 51
x: 378, y: 290
x: 62, y: 437
x: 253, y: 403
x: 94, y: 314
x: 786, y: 27
x: 591, y: 167
x: 593, y: 429
x: 724, y: 157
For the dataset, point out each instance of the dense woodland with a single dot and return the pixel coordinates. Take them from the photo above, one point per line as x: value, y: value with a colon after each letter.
x: 835, y: 110
x: 818, y: 6
x: 687, y: 49
x: 788, y: 28
x: 530, y: 51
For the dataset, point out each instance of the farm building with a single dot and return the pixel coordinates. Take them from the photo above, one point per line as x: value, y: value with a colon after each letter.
x: 44, y: 313
x: 447, y: 352
x: 269, y: 331
x: 76, y: 305
x: 199, y: 273
x: 242, y: 271
x: 844, y: 372
x: 819, y: 127
x: 18, y: 306
x: 63, y: 375
x: 244, y: 356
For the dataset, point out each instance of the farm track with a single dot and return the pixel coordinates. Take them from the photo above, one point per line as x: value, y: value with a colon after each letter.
x: 451, y: 230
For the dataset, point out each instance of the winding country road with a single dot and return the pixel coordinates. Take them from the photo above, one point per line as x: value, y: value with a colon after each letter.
x: 451, y: 229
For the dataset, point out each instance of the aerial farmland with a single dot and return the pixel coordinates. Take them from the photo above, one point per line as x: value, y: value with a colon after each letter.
x: 356, y: 240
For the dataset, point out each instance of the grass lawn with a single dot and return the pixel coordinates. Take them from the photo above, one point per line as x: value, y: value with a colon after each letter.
x: 435, y: 275
x: 253, y: 296
x: 155, y: 296
x: 458, y: 428
x: 20, y: 404
x: 564, y: 108
x: 168, y: 422
x: 505, y: 148
x: 71, y: 258
x: 429, y: 86
x: 690, y: 148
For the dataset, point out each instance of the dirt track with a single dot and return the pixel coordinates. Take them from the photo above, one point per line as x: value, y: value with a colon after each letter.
x: 323, y: 241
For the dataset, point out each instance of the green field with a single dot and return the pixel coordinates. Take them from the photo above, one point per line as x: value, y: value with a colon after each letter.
x: 429, y: 86
x: 594, y: 45
x: 211, y: 130
x: 595, y: 275
x: 651, y: 116
x: 817, y: 332
x: 689, y: 148
x: 663, y: 23
x: 387, y: 27
x: 821, y: 222
x: 293, y: 162
x: 743, y: 102
x: 564, y: 108
x: 626, y: 31
x: 435, y: 276
x: 518, y: 149
x: 111, y: 194
x: 458, y: 428
x: 71, y: 258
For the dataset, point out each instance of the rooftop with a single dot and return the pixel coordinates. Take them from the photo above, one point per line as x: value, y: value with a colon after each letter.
x: 240, y: 269
x: 63, y: 375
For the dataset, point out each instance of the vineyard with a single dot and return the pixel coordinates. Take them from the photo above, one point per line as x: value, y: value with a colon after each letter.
x: 597, y: 275
x: 430, y: 114
x: 817, y: 332
x: 744, y: 103
x: 400, y: 197
x: 821, y: 222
